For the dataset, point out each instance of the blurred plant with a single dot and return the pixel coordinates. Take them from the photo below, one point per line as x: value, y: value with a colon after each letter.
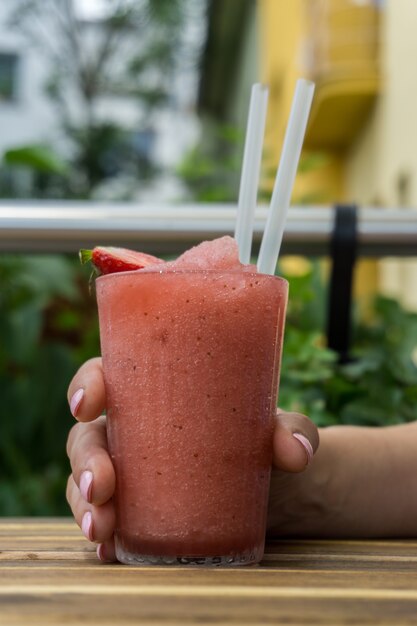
x: 211, y: 169
x: 96, y: 66
x: 47, y: 329
x: 309, y: 162
x: 43, y: 171
x: 380, y: 384
x: 378, y: 387
x: 36, y: 157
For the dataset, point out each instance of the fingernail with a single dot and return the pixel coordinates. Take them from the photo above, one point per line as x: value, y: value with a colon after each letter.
x: 100, y: 552
x: 86, y: 485
x: 306, y: 445
x: 87, y: 526
x: 76, y: 401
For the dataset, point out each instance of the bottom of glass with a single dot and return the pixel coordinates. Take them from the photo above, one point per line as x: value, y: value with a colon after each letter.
x: 250, y: 557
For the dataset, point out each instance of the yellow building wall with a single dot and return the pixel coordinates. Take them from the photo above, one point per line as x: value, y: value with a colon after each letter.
x: 281, y: 28
x: 382, y: 165
x: 283, y: 61
x: 284, y: 58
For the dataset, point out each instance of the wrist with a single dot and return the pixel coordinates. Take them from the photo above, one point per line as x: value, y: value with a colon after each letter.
x: 312, y: 503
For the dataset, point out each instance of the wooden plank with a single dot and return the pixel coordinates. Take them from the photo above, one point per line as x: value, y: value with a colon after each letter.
x: 49, y: 574
x: 89, y: 554
x: 100, y: 576
x: 93, y: 578
x: 114, y: 608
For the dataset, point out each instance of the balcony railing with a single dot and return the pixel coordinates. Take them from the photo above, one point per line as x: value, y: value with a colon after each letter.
x: 169, y: 229
x: 342, y: 233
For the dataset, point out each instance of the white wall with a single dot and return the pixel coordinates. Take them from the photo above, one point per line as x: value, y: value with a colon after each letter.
x: 30, y: 118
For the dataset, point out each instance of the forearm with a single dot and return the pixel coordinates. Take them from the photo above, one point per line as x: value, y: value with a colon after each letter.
x: 362, y: 482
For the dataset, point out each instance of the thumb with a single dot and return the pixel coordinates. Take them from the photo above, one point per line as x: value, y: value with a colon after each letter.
x: 295, y: 442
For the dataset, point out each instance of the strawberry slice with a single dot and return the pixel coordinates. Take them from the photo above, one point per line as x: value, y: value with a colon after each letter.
x: 111, y: 260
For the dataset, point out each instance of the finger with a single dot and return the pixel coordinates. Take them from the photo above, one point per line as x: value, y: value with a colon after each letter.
x: 86, y: 392
x: 106, y: 551
x: 296, y: 439
x: 96, y: 522
x: 91, y: 464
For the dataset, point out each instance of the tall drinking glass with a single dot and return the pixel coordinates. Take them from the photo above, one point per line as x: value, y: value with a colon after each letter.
x: 191, y: 364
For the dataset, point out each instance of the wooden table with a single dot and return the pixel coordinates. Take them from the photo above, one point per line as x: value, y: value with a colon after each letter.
x: 50, y: 575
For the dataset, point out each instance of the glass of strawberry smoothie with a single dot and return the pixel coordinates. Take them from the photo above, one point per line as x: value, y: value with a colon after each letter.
x: 191, y: 355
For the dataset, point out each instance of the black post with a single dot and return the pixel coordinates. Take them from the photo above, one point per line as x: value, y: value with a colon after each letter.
x: 343, y: 247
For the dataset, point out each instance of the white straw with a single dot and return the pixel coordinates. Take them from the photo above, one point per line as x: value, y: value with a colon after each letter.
x: 251, y: 167
x: 287, y: 169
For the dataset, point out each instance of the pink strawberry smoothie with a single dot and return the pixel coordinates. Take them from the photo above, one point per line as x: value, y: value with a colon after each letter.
x: 191, y: 353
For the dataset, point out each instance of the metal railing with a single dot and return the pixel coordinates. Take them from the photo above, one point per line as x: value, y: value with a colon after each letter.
x: 169, y: 229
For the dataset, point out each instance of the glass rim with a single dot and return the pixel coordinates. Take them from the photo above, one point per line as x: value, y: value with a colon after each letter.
x: 185, y: 271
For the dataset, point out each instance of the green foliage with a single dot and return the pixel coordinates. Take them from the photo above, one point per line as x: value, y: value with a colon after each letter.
x: 211, y: 169
x: 381, y: 383
x: 312, y: 161
x: 378, y: 387
x: 44, y: 172
x: 47, y: 329
x: 104, y: 151
x: 36, y: 157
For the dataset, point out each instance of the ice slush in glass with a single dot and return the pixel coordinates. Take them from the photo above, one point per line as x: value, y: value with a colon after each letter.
x: 191, y: 355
